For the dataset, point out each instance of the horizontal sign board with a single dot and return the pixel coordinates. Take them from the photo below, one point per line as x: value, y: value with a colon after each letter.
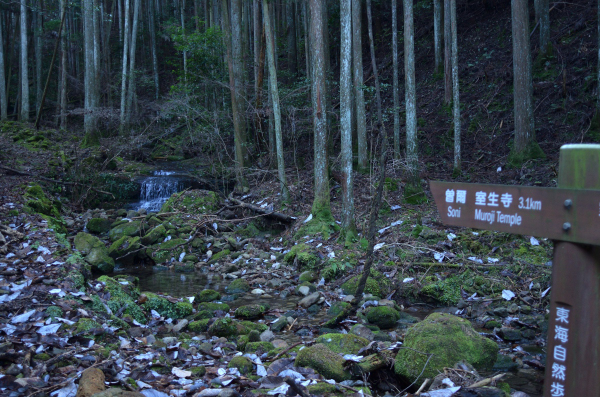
x: 559, y: 214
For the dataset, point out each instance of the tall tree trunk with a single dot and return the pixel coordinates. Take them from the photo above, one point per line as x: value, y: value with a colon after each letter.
x: 126, y: 40
x: 305, y: 23
x: 380, y: 125
x: 544, y: 21
x: 291, y: 39
x: 348, y: 222
x: 131, y: 88
x: 3, y: 95
x: 234, y: 52
x: 90, y: 72
x: 455, y: 88
x: 437, y: 34
x: 359, y: 97
x: 24, y: 65
x: 63, y: 73
x: 257, y: 33
x: 447, y: 53
x: 152, y: 29
x: 395, y: 87
x: 97, y: 54
x: 598, y: 83
x: 37, y: 34
x: 522, y: 83
x: 321, y: 209
x: 410, y: 99
x: 275, y: 101
x: 182, y: 15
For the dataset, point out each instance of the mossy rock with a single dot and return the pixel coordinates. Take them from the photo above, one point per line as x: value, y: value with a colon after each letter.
x: 449, y: 339
x: 238, y: 286
x: 198, y: 371
x: 323, y: 360
x: 100, y: 261
x: 327, y: 389
x: 207, y: 295
x: 125, y: 249
x: 166, y: 308
x: 250, y: 312
x: 84, y: 325
x: 195, y: 202
x: 259, y: 347
x: 131, y: 229
x: 242, y: 341
x: 337, y: 313
x: 249, y: 326
x: 38, y: 202
x: 371, y: 287
x: 155, y: 235
x: 226, y: 327
x: 85, y: 242
x: 322, y: 221
x: 308, y: 276
x: 76, y: 278
x: 123, y: 293
x: 219, y: 255
x: 199, y: 326
x: 302, y: 255
x: 243, y: 364
x: 213, y: 307
x: 383, y: 316
x: 98, y: 225
x: 163, y: 252
x: 343, y: 343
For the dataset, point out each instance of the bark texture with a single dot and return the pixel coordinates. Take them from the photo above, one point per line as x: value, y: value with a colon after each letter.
x: 359, y: 97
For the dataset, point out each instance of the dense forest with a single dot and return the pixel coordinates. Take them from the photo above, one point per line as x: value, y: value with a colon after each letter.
x: 231, y: 197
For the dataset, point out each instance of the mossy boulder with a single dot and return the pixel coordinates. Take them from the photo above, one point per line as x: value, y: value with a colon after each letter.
x: 302, y: 256
x: 323, y: 360
x: 241, y: 342
x: 125, y: 249
x: 213, y: 307
x: 199, y: 326
x: 166, y: 308
x: 238, y: 286
x: 195, y: 202
x: 242, y: 363
x: 131, y: 229
x: 163, y: 252
x: 261, y: 347
x: 98, y: 225
x: 226, y: 327
x: 155, y: 235
x: 343, y: 343
x: 207, y: 295
x: 100, y: 261
x: 219, y: 255
x: 308, y: 276
x: 123, y: 293
x: 249, y: 326
x: 337, y: 312
x: 371, y: 287
x: 85, y: 325
x: 250, y: 312
x: 85, y: 242
x: 449, y: 339
x: 383, y: 316
x: 38, y: 202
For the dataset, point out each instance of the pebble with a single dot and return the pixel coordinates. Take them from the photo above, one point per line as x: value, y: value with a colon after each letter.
x: 257, y: 291
x: 310, y: 300
x: 304, y: 290
x: 267, y: 336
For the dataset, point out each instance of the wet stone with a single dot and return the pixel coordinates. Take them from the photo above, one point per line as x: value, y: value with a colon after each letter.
x: 509, y: 334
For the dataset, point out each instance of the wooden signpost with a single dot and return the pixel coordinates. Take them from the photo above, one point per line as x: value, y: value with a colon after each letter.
x: 570, y: 215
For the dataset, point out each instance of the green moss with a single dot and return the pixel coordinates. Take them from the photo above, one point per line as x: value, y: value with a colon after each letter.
x: 84, y: 325
x: 226, y: 327
x: 219, y: 255
x: 449, y: 339
x: 213, y: 307
x: 85, y: 243
x: 343, y: 343
x: 98, y: 225
x: 308, y: 276
x: 371, y: 287
x: 155, y: 235
x: 198, y: 371
x: 414, y: 194
x: 76, y: 278
x: 254, y: 347
x: 126, y: 290
x: 54, y: 311
x: 42, y: 357
x: 531, y: 152
x: 536, y: 255
x: 164, y: 251
x: 131, y: 229
x: 125, y: 248
x: 199, y: 326
x: 208, y: 295
x: 249, y: 231
x: 448, y: 290
x: 238, y: 286
x: 166, y: 308
x: 301, y: 255
x: 196, y: 202
x: 320, y: 358
x: 250, y: 311
x: 383, y: 316
x: 322, y: 221
x: 249, y: 326
x: 242, y: 341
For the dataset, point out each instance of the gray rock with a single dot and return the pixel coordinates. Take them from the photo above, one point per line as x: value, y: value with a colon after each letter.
x: 310, y: 299
x: 363, y: 331
x: 280, y: 324
x: 509, y: 334
x: 304, y: 290
x: 267, y: 336
x: 180, y: 325
x: 227, y: 392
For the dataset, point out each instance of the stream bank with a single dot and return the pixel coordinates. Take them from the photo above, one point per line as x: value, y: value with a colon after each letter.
x: 255, y: 292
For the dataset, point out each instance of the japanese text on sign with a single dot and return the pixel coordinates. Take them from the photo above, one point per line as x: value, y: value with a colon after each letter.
x: 559, y: 355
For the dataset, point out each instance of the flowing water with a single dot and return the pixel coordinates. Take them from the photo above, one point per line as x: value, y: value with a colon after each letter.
x: 156, y: 189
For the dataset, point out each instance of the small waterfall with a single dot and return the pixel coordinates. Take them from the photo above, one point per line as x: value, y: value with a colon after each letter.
x: 156, y: 189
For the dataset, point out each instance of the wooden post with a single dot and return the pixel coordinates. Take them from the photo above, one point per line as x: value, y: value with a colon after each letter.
x: 573, y: 349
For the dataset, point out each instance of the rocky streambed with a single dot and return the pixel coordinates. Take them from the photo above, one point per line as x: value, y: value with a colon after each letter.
x: 191, y: 301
